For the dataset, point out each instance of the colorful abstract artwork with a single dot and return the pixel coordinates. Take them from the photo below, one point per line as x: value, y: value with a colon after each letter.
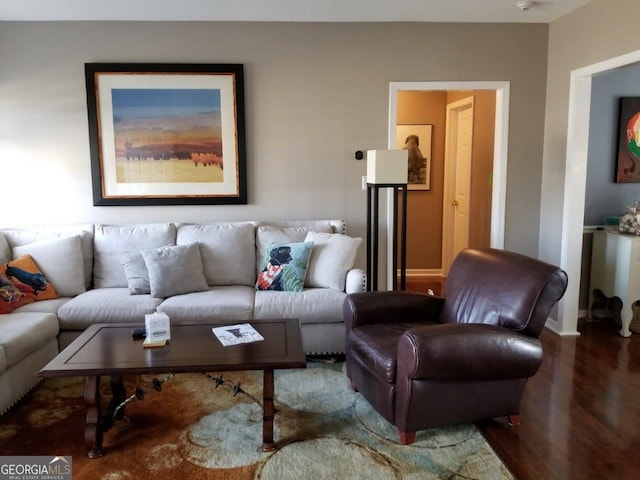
x: 628, y: 159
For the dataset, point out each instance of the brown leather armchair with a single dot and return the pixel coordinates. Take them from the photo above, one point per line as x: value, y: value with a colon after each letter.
x: 424, y: 361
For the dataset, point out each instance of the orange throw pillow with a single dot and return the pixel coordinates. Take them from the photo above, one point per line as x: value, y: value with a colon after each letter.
x: 21, y: 282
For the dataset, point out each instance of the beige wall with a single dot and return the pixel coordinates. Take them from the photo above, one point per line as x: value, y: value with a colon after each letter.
x: 601, y: 30
x: 314, y: 93
x: 424, y: 208
x: 424, y: 212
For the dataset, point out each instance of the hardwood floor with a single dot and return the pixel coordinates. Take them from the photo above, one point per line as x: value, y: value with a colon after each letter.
x: 580, y: 415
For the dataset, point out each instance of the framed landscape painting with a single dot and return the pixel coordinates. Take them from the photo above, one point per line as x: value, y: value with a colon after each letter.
x: 166, y: 134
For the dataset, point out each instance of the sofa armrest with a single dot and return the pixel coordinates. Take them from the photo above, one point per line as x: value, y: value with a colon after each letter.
x: 375, y: 307
x: 356, y: 281
x: 467, y: 351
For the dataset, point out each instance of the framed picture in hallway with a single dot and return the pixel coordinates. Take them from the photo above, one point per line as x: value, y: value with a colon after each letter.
x: 417, y: 140
x: 628, y: 157
x: 166, y: 134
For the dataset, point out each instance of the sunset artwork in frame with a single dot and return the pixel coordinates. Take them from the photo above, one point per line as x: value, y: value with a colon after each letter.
x: 166, y: 134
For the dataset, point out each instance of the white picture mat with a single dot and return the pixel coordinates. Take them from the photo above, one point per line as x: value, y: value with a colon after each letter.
x: 106, y: 82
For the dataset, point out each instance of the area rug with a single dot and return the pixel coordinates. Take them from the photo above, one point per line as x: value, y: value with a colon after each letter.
x: 192, y: 430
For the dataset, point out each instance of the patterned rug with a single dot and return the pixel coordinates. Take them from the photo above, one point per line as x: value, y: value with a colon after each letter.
x: 193, y: 430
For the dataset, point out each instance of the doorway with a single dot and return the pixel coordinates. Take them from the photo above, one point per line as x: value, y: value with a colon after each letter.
x: 499, y: 169
x: 575, y: 179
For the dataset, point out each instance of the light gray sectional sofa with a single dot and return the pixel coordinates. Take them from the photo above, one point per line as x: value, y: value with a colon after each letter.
x: 98, y: 272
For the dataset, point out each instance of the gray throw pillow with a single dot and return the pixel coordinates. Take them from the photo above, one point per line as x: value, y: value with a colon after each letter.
x: 136, y: 271
x: 175, y: 270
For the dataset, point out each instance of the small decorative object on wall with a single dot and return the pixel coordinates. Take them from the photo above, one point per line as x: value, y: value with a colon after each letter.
x: 166, y: 134
x: 417, y: 140
x: 628, y: 159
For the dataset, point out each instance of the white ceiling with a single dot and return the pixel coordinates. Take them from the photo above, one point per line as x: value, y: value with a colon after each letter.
x: 540, y: 11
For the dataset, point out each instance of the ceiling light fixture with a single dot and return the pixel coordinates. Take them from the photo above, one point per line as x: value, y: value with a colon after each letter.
x: 524, y: 5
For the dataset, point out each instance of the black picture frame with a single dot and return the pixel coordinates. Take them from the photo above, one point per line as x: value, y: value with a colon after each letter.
x: 166, y: 134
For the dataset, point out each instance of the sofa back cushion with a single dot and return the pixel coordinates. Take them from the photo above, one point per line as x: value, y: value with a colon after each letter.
x: 20, y: 236
x: 5, y: 249
x: 61, y: 262
x: 110, y: 241
x: 225, y: 249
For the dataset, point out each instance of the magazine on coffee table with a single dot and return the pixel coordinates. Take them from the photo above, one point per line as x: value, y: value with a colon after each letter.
x: 237, y: 334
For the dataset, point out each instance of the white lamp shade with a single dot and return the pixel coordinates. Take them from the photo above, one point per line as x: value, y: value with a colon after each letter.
x: 387, y: 166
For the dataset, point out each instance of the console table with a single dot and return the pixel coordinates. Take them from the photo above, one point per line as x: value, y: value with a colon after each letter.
x: 615, y: 269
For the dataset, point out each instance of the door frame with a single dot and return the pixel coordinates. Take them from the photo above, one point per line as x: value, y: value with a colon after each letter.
x: 501, y: 142
x: 450, y: 177
x: 575, y: 180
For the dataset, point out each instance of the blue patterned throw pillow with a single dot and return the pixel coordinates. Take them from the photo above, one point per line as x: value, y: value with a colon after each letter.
x: 284, y: 267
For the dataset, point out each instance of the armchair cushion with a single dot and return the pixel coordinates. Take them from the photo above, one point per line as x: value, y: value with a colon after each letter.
x: 377, y: 346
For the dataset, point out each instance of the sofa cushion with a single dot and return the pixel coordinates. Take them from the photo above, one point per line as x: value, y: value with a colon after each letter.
x: 44, y: 306
x: 268, y: 234
x: 314, y: 305
x: 284, y: 267
x: 5, y: 249
x: 224, y: 304
x: 175, y: 270
x: 23, y: 333
x: 25, y: 235
x: 112, y: 240
x: 105, y: 305
x: 22, y: 282
x: 136, y: 272
x: 332, y: 257
x: 60, y: 260
x: 224, y: 248
x: 3, y: 360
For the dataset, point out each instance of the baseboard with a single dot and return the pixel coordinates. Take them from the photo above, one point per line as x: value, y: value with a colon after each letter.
x: 423, y: 272
x: 552, y: 325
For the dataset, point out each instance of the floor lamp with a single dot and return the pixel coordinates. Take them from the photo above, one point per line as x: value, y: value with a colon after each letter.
x: 386, y: 169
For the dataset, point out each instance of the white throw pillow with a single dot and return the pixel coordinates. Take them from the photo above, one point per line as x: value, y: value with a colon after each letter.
x: 61, y: 262
x: 175, y: 270
x: 136, y: 271
x: 333, y: 255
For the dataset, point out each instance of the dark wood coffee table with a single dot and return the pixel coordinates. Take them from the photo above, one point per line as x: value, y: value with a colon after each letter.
x: 108, y: 349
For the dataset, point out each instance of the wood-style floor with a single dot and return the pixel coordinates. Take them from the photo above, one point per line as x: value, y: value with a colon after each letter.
x: 580, y: 415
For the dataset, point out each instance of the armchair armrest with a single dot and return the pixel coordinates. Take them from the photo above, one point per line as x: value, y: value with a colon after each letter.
x: 467, y: 351
x: 356, y: 281
x: 375, y: 307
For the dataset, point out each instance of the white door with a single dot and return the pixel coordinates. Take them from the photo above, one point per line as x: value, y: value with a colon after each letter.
x: 457, y: 180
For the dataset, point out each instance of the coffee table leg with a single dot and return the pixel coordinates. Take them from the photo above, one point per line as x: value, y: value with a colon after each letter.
x: 267, y: 416
x: 93, y: 425
x: 118, y: 396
